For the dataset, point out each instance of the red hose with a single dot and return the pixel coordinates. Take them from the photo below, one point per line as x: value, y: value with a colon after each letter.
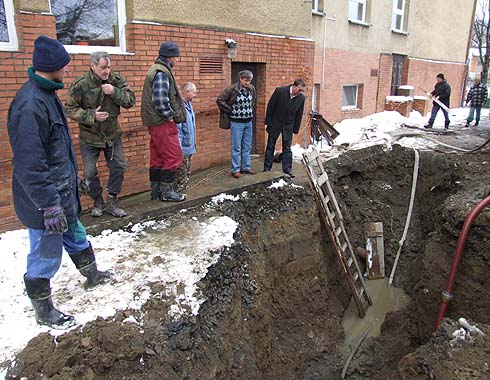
x: 447, y: 294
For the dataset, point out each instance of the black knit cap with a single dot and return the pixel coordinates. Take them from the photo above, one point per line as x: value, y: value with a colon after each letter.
x: 49, y: 55
x: 440, y: 75
x: 168, y: 50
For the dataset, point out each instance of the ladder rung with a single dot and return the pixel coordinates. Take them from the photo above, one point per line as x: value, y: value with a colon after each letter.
x: 360, y: 292
x: 350, y: 261
x: 312, y: 155
x: 344, y: 247
x: 356, y: 276
x: 338, y: 231
x: 322, y: 179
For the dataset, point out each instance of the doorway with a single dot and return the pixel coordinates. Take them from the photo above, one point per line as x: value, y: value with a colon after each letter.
x: 397, y: 73
x: 236, y: 67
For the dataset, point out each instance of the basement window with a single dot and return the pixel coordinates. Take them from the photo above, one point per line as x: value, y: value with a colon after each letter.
x: 87, y: 26
x: 8, y: 34
x: 349, y: 96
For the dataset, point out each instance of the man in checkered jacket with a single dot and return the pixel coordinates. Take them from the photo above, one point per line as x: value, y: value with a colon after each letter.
x: 476, y: 98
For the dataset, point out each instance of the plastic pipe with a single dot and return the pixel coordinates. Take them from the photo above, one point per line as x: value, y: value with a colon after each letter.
x: 447, y: 295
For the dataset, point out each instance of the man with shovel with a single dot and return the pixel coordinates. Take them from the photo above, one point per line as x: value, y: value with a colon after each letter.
x: 440, y: 94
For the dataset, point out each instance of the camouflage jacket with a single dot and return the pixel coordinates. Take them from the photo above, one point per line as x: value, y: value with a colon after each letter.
x: 86, y: 95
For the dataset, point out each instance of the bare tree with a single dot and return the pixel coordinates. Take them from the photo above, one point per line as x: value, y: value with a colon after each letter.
x: 481, y: 36
x: 89, y: 19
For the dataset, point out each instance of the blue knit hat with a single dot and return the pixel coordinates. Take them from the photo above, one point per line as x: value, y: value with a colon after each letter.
x: 49, y: 55
x: 168, y: 50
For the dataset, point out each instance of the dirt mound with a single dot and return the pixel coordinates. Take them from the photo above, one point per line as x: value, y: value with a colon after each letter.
x: 453, y: 353
x: 275, y: 299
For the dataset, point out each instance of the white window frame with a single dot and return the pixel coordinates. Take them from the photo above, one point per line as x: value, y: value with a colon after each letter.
x: 397, y: 12
x: 350, y: 106
x: 121, y: 15
x: 315, y: 8
x: 354, y: 6
x: 13, y: 43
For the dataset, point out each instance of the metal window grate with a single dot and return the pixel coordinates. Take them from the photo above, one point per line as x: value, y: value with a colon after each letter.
x: 210, y: 65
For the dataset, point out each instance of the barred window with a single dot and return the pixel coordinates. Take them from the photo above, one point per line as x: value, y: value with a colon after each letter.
x: 8, y: 35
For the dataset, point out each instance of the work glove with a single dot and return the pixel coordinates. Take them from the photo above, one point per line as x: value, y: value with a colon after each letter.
x: 55, y: 220
x: 83, y: 187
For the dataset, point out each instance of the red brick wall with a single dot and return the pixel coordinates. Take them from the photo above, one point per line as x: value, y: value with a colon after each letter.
x: 422, y: 76
x: 347, y: 67
x: 281, y: 61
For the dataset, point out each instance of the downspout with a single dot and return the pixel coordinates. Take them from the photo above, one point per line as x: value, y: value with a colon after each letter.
x: 447, y: 295
x: 324, y: 45
x: 468, y: 57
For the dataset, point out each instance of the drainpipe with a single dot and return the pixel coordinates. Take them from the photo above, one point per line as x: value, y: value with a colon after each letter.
x: 468, y: 55
x: 447, y: 295
x: 324, y: 45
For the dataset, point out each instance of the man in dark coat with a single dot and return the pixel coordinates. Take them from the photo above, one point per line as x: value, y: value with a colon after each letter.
x: 45, y: 183
x: 284, y: 113
x: 442, y: 92
x: 476, y: 98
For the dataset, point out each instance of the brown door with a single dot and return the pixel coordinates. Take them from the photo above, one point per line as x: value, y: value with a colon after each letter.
x: 236, y: 67
x: 397, y: 72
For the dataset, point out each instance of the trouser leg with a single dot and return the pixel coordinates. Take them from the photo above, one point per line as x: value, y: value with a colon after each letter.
x: 116, y: 162
x: 269, y: 152
x: 90, y: 155
x: 287, y: 156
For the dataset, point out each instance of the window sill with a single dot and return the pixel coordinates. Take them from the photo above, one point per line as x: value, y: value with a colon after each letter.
x: 9, y: 46
x: 82, y: 49
x: 358, y: 22
x: 317, y: 13
x: 350, y: 109
x: 396, y: 31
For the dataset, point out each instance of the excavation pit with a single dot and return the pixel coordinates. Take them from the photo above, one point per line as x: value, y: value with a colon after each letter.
x: 276, y: 301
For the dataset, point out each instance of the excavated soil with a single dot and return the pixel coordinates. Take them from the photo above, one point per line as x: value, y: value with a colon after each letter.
x: 276, y: 298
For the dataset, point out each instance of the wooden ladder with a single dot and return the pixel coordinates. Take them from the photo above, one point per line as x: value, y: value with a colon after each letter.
x: 332, y: 217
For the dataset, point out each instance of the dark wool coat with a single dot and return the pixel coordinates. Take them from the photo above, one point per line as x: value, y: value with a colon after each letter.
x: 443, y: 91
x: 45, y: 167
x: 283, y: 113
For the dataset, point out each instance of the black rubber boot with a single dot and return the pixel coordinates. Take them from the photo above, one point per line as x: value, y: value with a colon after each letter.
x: 85, y: 262
x: 446, y: 124
x: 168, y: 193
x: 155, y: 180
x: 39, y: 292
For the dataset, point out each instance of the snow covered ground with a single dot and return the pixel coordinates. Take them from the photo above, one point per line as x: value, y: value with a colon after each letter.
x: 181, y: 261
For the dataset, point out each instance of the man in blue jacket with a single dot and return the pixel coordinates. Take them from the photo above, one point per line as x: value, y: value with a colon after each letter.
x: 187, y: 138
x: 45, y: 182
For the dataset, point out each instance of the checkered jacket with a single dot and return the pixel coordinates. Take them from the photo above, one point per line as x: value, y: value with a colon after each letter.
x: 477, y: 95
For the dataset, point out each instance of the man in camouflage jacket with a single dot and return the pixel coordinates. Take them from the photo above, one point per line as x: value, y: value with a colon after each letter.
x: 94, y: 101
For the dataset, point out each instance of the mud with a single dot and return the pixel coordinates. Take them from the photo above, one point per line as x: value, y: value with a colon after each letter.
x: 276, y: 298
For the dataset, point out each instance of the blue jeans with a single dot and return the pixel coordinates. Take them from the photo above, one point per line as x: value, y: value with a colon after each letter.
x: 435, y: 108
x: 46, y: 249
x: 241, y: 145
x: 115, y: 160
x: 472, y: 113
